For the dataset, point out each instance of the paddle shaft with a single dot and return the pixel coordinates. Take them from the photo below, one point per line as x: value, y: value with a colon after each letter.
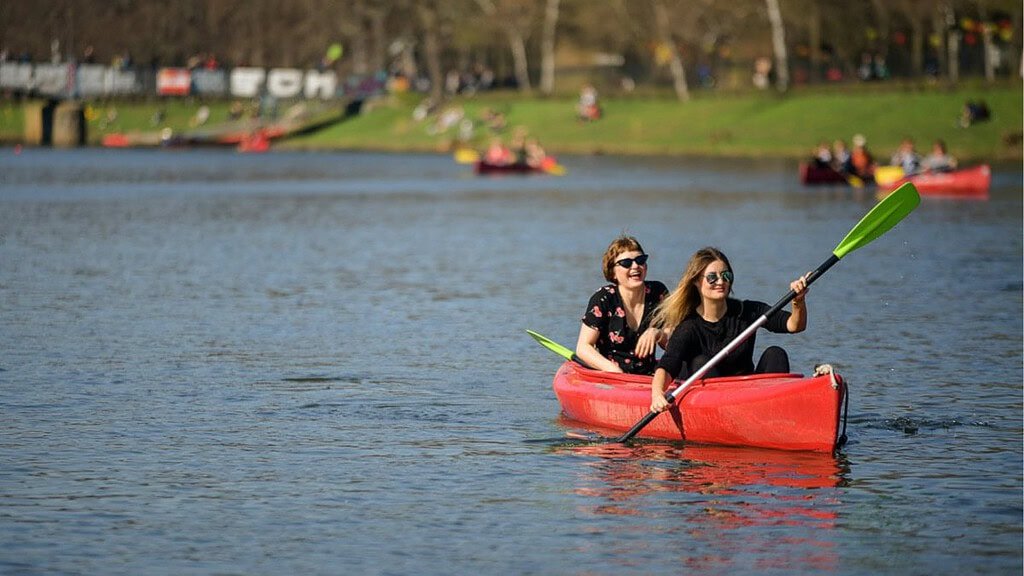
x: 743, y: 336
x: 580, y: 361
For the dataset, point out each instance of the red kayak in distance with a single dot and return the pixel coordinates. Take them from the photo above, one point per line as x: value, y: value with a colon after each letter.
x: 483, y: 167
x: 811, y: 175
x: 547, y: 166
x: 779, y: 411
x: 971, y: 182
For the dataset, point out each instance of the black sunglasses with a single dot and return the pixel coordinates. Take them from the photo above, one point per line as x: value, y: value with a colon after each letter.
x: 627, y: 263
x: 714, y: 277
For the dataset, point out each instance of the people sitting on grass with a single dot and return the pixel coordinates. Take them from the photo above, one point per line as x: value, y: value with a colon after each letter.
x: 974, y: 112
x: 495, y: 121
x: 587, y: 109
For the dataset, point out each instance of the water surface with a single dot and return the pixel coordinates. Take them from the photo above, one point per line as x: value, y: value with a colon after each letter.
x: 316, y: 363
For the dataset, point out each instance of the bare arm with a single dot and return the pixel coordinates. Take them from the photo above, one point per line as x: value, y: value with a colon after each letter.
x: 658, y: 402
x: 798, y: 317
x: 586, y: 350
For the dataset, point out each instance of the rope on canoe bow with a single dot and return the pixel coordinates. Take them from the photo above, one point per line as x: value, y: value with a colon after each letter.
x: 821, y: 370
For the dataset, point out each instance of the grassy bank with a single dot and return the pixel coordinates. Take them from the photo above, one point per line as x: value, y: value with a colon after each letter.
x: 754, y: 125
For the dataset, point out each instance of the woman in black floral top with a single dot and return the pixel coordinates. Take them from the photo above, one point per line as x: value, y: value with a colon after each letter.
x: 616, y: 335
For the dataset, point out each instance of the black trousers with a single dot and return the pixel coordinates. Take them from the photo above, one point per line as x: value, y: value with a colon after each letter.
x: 773, y: 360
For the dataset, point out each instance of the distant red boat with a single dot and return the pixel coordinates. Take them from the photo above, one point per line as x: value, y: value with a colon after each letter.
x: 811, y: 175
x: 483, y: 167
x: 966, y: 183
x: 548, y: 165
x: 258, y: 141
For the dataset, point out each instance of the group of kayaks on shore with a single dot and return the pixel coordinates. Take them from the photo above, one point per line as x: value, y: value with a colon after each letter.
x: 936, y: 173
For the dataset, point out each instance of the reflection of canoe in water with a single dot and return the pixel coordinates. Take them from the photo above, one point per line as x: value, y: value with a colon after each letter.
x: 783, y: 411
x: 811, y: 175
x: 707, y: 467
x: 968, y: 182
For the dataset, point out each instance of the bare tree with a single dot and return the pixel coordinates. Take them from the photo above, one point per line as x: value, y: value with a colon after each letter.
x: 946, y: 21
x: 814, y: 39
x: 547, y: 58
x: 916, y: 12
x: 778, y: 45
x: 427, y: 12
x: 986, y: 40
x: 513, y: 17
x: 675, y: 63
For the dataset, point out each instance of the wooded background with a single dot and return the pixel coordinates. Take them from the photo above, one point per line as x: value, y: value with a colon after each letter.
x: 541, y: 45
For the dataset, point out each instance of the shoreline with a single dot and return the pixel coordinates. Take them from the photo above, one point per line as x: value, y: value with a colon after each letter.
x: 752, y: 126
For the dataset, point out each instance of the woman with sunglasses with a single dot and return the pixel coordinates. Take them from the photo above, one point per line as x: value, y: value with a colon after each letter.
x: 616, y: 334
x: 706, y: 320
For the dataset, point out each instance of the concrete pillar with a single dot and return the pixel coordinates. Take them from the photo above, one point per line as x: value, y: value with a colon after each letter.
x: 39, y: 122
x: 69, y: 124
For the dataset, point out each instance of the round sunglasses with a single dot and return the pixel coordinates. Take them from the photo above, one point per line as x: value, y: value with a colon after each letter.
x: 627, y: 263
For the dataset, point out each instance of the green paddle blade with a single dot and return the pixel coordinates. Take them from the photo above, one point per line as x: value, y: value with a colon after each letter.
x: 881, y: 219
x: 552, y: 345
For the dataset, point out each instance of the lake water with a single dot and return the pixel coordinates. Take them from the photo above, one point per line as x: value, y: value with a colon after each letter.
x: 316, y: 363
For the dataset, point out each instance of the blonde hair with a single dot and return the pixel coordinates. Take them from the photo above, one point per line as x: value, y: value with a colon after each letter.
x: 686, y: 297
x: 621, y: 244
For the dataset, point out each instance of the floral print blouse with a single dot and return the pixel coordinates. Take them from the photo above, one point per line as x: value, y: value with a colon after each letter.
x: 616, y: 340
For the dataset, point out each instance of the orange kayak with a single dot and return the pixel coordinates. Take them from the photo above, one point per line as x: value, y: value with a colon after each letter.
x: 781, y: 411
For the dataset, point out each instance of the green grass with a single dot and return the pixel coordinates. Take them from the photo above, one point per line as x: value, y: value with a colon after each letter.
x: 749, y: 125
x: 761, y: 125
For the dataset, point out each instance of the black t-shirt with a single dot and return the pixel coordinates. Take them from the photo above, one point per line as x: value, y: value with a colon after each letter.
x: 695, y: 337
x: 616, y: 341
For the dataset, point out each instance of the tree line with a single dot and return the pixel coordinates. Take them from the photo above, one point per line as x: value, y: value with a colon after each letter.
x: 541, y: 45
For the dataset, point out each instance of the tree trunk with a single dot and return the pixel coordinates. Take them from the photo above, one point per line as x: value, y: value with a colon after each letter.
x: 814, y: 38
x: 986, y: 42
x: 407, y: 60
x: 778, y: 45
x: 519, y: 62
x: 917, y: 41
x: 431, y: 48
x: 675, y: 65
x: 883, y: 12
x: 952, y: 45
x: 516, y: 42
x: 378, y: 59
x: 360, y: 45
x: 547, y: 61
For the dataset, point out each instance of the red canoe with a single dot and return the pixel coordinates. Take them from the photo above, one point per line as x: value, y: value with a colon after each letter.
x: 966, y: 183
x: 483, y: 167
x: 811, y: 175
x: 781, y: 411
